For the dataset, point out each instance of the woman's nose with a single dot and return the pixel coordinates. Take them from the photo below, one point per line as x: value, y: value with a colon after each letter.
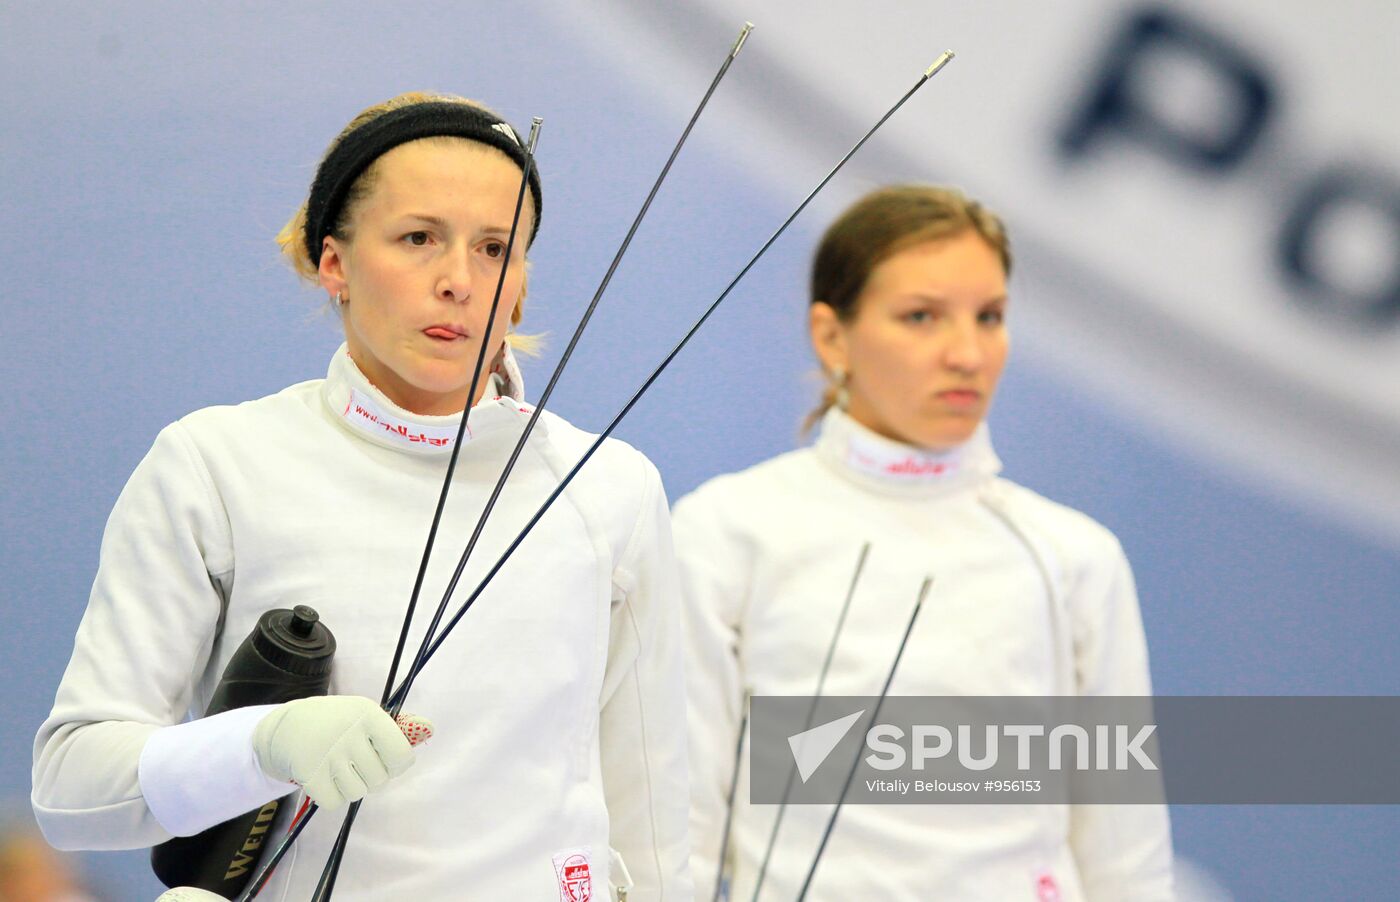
x: 455, y: 281
x: 963, y: 351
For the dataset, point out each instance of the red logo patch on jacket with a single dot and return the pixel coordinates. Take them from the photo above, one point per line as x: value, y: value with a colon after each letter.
x: 575, y: 878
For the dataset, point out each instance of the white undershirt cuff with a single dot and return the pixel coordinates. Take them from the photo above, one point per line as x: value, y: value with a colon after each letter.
x: 203, y: 772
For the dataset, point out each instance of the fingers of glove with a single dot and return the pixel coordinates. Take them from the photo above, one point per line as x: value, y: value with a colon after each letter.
x: 322, y: 790
x: 348, y: 781
x: 362, y: 756
x: 298, y: 736
x: 389, y: 743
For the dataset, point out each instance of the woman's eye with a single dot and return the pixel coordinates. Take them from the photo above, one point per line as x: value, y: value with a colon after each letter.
x: 917, y: 317
x: 495, y: 249
x: 991, y: 317
x: 417, y: 239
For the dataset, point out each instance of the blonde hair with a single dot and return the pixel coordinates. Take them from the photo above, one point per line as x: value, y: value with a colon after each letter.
x: 875, y: 228
x: 291, y: 239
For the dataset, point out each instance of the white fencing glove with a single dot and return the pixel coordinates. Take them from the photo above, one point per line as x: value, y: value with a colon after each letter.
x: 338, y: 748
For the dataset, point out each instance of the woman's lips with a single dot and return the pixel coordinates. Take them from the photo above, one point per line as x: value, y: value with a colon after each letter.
x: 443, y: 333
x: 960, y: 397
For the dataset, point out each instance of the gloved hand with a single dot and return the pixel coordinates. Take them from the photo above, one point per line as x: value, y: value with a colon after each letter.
x: 339, y: 748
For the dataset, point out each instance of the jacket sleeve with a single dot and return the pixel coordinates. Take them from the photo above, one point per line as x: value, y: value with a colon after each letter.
x: 1122, y: 851
x: 146, y: 636
x: 712, y: 568
x: 642, y: 719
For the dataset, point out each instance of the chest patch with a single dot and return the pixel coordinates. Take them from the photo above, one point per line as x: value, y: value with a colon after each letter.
x: 575, y: 880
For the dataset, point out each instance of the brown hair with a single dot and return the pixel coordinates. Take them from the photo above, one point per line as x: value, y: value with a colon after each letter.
x: 291, y: 240
x: 878, y: 226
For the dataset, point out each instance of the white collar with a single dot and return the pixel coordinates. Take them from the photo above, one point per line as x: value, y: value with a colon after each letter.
x: 886, y: 465
x: 369, y: 413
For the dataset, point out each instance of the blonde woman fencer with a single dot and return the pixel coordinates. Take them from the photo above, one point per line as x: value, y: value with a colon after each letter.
x: 557, y: 709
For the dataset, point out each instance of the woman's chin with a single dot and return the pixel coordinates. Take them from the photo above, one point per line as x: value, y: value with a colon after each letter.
x: 942, y: 436
x: 440, y: 403
x: 440, y: 381
x: 427, y: 396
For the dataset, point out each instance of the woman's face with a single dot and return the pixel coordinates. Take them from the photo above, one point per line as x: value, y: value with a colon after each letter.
x: 420, y: 269
x: 927, y: 344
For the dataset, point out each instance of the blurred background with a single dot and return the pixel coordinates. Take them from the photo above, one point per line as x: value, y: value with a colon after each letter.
x: 1204, y: 201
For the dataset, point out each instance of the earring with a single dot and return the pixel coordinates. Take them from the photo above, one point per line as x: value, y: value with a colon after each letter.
x: 339, y: 300
x: 843, y: 397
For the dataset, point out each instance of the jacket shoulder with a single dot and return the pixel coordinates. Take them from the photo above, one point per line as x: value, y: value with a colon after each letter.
x: 1077, y: 537
x: 767, y: 482
x: 616, y: 463
x: 250, y: 418
x: 757, y: 500
x: 619, y: 484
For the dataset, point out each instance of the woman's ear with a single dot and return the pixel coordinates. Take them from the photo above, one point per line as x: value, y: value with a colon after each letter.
x: 332, y: 268
x: 828, y: 335
x: 517, y: 313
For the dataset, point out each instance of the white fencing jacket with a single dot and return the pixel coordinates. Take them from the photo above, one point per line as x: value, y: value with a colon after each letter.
x: 1030, y: 598
x: 558, y: 700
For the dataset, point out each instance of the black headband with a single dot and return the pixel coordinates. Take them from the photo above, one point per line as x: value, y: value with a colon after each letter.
x: 354, y: 153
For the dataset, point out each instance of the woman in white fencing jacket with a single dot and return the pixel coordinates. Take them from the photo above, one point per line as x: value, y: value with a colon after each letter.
x: 908, y: 317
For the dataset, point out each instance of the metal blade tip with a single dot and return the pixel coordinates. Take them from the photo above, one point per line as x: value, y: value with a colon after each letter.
x: 739, y: 42
x: 939, y: 63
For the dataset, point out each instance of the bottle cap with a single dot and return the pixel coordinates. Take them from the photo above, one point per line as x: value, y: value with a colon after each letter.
x: 295, y: 641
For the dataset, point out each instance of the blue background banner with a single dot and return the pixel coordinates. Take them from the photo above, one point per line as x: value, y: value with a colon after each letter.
x: 1203, y: 201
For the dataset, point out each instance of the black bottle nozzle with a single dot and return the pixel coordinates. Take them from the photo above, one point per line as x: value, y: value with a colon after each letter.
x: 303, y: 621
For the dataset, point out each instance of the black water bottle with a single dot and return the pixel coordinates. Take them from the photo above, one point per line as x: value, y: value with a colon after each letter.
x: 287, y: 656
